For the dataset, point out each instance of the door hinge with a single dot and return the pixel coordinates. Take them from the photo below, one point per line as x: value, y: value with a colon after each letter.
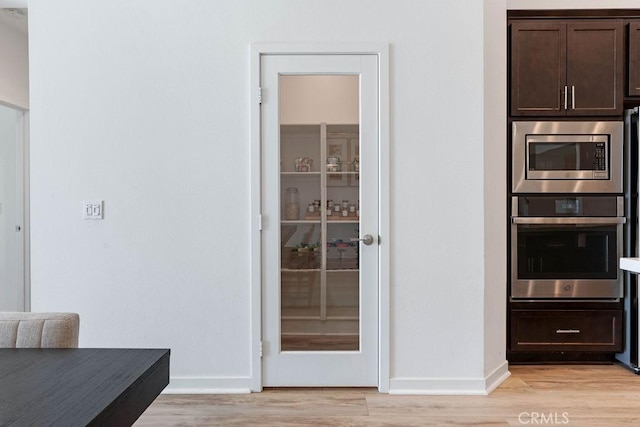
x: 260, y: 348
x: 259, y: 95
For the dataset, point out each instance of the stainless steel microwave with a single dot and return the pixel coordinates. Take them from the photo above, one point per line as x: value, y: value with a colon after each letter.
x: 567, y: 157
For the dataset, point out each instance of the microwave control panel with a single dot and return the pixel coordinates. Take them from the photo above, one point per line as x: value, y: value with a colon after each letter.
x: 600, y: 162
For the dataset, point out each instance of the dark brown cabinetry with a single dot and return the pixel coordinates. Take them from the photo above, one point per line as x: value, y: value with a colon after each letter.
x: 566, y: 330
x: 569, y: 65
x: 572, y: 68
x: 634, y: 59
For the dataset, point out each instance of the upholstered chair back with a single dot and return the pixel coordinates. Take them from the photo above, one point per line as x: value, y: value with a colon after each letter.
x: 39, y: 330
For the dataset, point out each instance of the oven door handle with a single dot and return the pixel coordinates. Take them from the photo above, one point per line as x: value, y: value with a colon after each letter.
x: 569, y: 220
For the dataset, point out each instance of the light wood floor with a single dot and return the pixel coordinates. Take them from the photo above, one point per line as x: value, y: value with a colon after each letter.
x: 572, y: 395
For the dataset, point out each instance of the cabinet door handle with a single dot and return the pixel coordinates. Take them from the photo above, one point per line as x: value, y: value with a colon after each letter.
x: 565, y: 97
x: 573, y: 97
x: 568, y: 331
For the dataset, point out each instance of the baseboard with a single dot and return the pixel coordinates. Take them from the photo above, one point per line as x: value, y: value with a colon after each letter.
x: 208, y: 385
x: 422, y: 386
x: 450, y: 386
x: 497, y: 377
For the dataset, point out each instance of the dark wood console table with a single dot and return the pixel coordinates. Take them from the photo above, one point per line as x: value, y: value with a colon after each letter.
x: 79, y: 387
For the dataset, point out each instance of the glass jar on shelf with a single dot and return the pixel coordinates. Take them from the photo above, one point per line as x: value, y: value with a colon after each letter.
x: 303, y: 164
x: 292, y: 204
x: 333, y: 164
x: 355, y: 165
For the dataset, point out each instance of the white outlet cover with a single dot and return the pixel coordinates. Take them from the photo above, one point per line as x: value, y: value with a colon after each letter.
x: 93, y: 209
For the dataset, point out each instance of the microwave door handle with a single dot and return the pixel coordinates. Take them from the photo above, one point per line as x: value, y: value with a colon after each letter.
x: 569, y: 220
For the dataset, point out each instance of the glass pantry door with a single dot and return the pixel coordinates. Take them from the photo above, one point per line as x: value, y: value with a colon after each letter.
x: 320, y: 304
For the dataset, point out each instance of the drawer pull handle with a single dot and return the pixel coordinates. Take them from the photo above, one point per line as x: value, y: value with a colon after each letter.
x: 568, y: 331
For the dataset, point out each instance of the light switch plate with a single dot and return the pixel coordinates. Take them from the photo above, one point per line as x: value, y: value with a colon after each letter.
x: 93, y: 209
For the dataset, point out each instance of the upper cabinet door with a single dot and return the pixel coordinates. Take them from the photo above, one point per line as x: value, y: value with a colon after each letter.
x: 595, y: 63
x: 634, y: 59
x: 567, y: 68
x: 538, y: 68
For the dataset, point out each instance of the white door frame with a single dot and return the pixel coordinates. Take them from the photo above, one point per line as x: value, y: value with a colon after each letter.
x: 26, y: 213
x: 382, y: 52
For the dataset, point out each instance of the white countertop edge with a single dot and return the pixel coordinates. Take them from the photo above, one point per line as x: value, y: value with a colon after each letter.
x: 630, y: 264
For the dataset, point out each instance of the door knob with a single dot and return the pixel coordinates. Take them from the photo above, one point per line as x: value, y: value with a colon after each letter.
x: 367, y: 239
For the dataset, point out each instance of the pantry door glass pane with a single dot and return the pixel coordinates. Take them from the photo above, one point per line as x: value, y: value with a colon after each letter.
x: 319, y: 224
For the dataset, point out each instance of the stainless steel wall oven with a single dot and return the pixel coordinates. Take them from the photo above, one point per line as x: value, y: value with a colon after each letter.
x: 566, y: 246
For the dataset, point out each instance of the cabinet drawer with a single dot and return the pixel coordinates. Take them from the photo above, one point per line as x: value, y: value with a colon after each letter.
x: 570, y: 330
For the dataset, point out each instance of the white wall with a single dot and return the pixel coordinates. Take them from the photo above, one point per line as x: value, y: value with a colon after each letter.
x: 495, y: 187
x: 14, y: 65
x: 146, y: 105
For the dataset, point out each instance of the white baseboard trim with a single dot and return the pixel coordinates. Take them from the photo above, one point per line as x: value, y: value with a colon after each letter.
x: 497, y: 377
x: 408, y: 386
x: 208, y: 385
x: 450, y: 386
